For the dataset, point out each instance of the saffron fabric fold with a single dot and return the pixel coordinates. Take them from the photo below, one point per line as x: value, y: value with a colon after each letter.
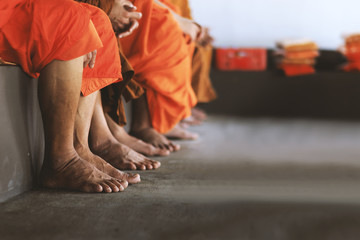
x: 112, y: 96
x: 161, y: 56
x: 40, y: 31
x: 297, y: 57
x: 202, y: 58
x: 351, y: 51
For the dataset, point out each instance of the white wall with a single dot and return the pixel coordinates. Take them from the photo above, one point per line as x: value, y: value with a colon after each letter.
x: 261, y: 22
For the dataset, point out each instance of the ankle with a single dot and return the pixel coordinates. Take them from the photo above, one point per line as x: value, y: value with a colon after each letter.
x: 118, y: 133
x: 100, y: 146
x: 78, y: 145
x: 138, y: 126
x: 140, y: 130
x: 58, y: 159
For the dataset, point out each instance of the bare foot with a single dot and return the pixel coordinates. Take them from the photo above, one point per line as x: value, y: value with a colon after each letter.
x: 136, y: 144
x: 192, y: 121
x: 123, y: 157
x: 158, y: 140
x: 102, y: 165
x: 199, y: 114
x: 141, y: 146
x: 180, y: 133
x: 77, y: 174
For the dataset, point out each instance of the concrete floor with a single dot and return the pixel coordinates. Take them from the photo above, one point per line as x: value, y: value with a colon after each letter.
x: 244, y: 179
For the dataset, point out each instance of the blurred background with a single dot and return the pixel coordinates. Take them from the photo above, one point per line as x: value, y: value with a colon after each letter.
x: 278, y: 157
x: 259, y: 23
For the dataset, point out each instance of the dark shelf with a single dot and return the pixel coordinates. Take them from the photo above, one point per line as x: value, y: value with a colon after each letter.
x: 330, y: 93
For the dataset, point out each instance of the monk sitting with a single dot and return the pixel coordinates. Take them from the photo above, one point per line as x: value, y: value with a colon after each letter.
x: 164, y: 107
x: 124, y: 20
x: 201, y: 60
x: 56, y: 50
x: 161, y: 56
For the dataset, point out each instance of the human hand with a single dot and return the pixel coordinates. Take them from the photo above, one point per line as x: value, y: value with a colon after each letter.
x: 197, y: 32
x: 89, y: 59
x: 134, y: 24
x: 124, y: 18
x: 189, y: 27
x: 204, y: 38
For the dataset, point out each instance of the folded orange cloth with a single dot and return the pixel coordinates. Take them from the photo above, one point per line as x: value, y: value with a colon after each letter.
x: 297, y: 69
x: 51, y: 36
x: 63, y: 31
x: 298, y: 54
x: 297, y: 45
x: 308, y: 61
x: 352, y: 66
x: 351, y: 50
x: 352, y: 56
x: 352, y: 38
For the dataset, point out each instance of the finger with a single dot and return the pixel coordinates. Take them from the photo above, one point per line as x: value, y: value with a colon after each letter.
x: 93, y: 59
x: 134, y: 25
x: 207, y: 41
x: 202, y: 35
x: 135, y: 15
x: 125, y: 21
x: 198, y: 29
x: 87, y: 58
x: 120, y: 25
x: 129, y: 6
x: 123, y: 34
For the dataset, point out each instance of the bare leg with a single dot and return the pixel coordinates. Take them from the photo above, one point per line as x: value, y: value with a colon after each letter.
x: 81, y: 135
x: 141, y: 127
x: 136, y: 144
x: 104, y: 144
x: 59, y: 92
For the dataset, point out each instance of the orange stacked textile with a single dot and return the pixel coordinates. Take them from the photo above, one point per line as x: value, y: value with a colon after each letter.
x: 351, y: 50
x: 296, y: 57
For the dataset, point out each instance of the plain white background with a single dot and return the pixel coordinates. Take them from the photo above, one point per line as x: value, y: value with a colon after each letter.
x: 251, y: 23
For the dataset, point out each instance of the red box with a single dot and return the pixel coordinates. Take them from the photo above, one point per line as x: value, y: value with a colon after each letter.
x: 245, y: 59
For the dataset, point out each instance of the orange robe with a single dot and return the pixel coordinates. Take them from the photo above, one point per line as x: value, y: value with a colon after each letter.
x: 161, y: 57
x: 112, y: 96
x: 181, y: 7
x: 105, y: 5
x: 129, y: 89
x: 202, y: 58
x: 36, y: 32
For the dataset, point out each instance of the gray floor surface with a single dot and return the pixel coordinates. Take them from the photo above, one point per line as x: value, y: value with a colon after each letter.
x: 243, y: 179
